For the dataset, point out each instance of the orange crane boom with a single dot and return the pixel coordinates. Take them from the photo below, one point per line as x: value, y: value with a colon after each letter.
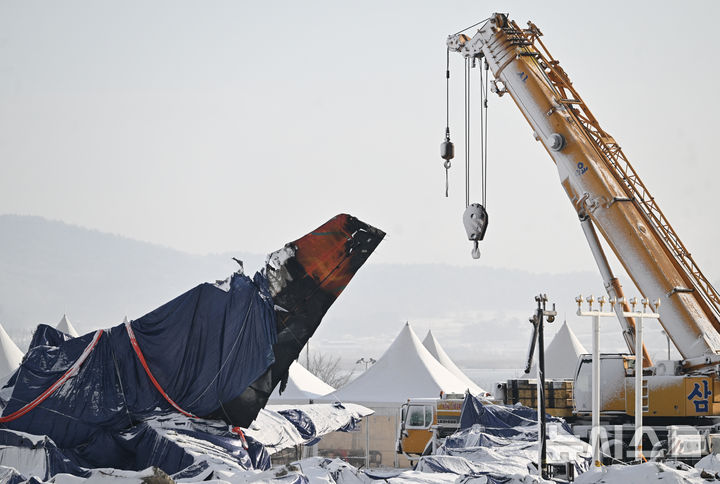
x: 605, y: 190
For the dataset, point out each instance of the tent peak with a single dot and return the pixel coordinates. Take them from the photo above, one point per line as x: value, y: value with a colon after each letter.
x: 66, y: 327
x: 437, y: 351
x: 407, y: 369
x: 10, y: 355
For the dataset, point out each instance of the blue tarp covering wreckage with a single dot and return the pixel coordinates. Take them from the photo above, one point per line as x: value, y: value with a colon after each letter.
x: 499, y: 443
x: 503, y: 420
x: 216, y: 351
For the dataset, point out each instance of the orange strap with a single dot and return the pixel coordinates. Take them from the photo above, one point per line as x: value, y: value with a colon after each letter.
x: 140, y: 356
x: 138, y: 352
x: 241, y: 434
x: 72, y: 371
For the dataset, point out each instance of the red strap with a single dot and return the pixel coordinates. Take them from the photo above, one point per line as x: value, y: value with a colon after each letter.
x: 72, y: 371
x: 138, y: 352
x: 140, y: 356
x: 238, y: 430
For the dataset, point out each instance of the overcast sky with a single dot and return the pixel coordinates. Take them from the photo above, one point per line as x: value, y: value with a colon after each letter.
x: 215, y: 126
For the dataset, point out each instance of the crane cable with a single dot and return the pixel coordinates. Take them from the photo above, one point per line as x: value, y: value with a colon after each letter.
x: 473, y: 25
x: 468, y: 68
x: 484, y: 84
x: 475, y: 217
x: 447, y: 164
x: 484, y: 127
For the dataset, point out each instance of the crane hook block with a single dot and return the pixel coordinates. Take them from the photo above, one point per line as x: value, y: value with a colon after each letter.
x: 475, y: 220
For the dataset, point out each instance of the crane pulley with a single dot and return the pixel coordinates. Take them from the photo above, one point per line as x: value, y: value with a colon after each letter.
x: 475, y: 217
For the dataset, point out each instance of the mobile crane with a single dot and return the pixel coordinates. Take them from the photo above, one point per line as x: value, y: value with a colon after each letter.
x: 608, y: 194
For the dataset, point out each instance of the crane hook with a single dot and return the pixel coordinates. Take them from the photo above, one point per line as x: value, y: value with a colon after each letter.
x: 475, y: 219
x: 475, y: 252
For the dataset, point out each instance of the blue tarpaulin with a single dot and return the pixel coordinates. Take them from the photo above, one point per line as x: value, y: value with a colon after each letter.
x: 306, y: 426
x: 8, y: 475
x: 502, y: 420
x: 302, y: 422
x: 499, y: 443
x: 203, y: 348
x: 215, y: 352
x: 54, y: 459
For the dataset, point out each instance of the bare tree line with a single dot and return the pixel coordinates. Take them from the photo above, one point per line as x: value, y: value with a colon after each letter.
x: 327, y: 368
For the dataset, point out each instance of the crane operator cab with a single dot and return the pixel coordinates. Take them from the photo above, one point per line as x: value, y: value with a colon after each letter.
x: 425, y: 421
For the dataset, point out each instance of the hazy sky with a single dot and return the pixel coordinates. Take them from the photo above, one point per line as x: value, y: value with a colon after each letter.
x: 218, y: 125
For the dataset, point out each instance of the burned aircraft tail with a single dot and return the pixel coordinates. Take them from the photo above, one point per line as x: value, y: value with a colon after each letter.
x: 305, y: 277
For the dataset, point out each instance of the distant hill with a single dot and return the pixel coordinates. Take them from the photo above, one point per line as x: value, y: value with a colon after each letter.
x: 479, y: 314
x: 48, y: 268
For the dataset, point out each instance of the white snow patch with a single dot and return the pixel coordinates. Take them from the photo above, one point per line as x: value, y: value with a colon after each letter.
x: 274, y: 431
x: 710, y: 464
x: 668, y: 473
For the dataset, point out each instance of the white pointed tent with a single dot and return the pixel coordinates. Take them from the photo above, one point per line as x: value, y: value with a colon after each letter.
x: 67, y: 328
x: 405, y: 370
x: 10, y: 354
x: 433, y: 346
x: 561, y: 355
x: 302, y: 386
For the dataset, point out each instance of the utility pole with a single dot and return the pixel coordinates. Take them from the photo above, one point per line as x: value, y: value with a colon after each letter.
x: 537, y: 321
x: 307, y: 356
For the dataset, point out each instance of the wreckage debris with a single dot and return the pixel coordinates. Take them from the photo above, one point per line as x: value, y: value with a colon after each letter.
x: 216, y: 351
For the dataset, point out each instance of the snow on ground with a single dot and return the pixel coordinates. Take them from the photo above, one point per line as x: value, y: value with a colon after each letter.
x: 279, y: 426
x: 209, y: 451
x: 320, y: 470
x: 327, y: 417
x: 274, y: 431
x: 109, y: 476
x: 710, y: 465
x: 471, y: 456
x: 667, y: 473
